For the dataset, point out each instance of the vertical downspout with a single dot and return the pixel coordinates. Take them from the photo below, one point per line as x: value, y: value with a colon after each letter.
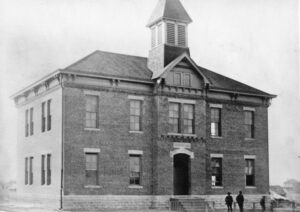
x: 62, y: 144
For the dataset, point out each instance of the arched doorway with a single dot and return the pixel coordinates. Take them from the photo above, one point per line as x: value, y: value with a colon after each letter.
x: 181, y: 174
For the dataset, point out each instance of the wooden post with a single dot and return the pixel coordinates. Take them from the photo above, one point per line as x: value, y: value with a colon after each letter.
x: 253, y: 207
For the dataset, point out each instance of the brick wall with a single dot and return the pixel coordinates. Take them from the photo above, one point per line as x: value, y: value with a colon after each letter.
x: 234, y: 146
x: 114, y: 140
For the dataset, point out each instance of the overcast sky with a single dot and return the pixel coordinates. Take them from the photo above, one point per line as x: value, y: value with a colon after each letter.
x: 253, y: 41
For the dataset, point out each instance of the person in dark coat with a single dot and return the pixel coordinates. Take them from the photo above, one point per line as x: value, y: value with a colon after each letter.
x: 229, y: 201
x: 240, y: 201
x: 263, y: 203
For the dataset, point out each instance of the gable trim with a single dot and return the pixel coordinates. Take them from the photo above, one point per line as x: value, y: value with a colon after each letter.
x: 162, y: 73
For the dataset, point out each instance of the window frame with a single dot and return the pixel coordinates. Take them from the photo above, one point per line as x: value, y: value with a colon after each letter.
x: 48, y: 169
x: 26, y: 171
x: 26, y: 122
x: 188, y: 119
x: 217, y: 123
x: 247, y: 170
x: 43, y: 171
x: 90, y: 112
x: 221, y: 171
x: 249, y: 127
x: 134, y: 116
x: 31, y: 170
x: 49, y: 116
x: 31, y: 117
x: 133, y: 179
x: 96, y: 170
x: 176, y: 34
x: 173, y: 118
x: 43, y: 109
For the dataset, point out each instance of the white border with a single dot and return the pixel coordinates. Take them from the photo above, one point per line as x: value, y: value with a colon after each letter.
x: 216, y: 105
x: 249, y: 108
x: 135, y: 152
x: 91, y: 150
x: 187, y: 101
x: 249, y: 156
x: 213, y: 155
x: 136, y: 97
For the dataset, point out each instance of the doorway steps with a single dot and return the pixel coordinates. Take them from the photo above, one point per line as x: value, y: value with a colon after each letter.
x: 190, y: 205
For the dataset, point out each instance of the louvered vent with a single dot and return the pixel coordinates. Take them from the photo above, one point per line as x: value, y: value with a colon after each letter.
x: 153, y: 37
x: 181, y: 35
x: 171, y: 33
x: 159, y: 34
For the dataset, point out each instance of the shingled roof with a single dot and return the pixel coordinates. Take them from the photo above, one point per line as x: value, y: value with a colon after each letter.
x: 170, y: 10
x: 134, y: 67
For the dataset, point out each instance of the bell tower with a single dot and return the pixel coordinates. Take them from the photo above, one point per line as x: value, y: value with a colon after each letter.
x: 169, y: 33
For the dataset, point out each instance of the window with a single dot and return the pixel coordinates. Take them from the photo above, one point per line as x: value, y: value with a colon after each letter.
x: 48, y: 169
x: 26, y: 171
x: 216, y: 171
x: 31, y: 121
x: 215, y: 126
x: 176, y: 34
x: 174, y: 121
x: 91, y: 168
x: 91, y: 111
x: 171, y: 33
x: 30, y: 170
x: 181, y: 35
x: 135, y: 169
x: 135, y: 115
x: 249, y: 172
x: 249, y: 124
x: 49, y: 114
x: 46, y: 119
x: 153, y: 36
x: 43, y: 117
x: 177, y: 78
x: 43, y: 176
x: 187, y: 80
x: 26, y: 123
x: 188, y: 116
x: 159, y: 34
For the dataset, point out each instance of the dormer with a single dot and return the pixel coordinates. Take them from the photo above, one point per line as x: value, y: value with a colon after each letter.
x: 169, y: 33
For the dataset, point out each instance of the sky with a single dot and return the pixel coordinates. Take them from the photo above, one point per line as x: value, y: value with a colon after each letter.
x: 253, y: 41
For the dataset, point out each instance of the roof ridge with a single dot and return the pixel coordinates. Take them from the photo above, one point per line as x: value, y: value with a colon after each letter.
x: 116, y: 53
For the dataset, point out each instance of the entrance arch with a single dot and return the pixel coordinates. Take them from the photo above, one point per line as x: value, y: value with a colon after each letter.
x: 181, y: 174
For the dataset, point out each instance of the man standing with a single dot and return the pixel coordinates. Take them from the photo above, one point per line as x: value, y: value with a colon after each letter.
x: 263, y: 203
x: 228, y: 201
x: 240, y: 201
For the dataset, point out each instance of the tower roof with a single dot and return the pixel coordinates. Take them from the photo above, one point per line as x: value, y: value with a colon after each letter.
x: 171, y: 10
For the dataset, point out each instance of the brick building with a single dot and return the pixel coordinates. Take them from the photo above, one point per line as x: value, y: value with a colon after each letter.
x: 121, y: 131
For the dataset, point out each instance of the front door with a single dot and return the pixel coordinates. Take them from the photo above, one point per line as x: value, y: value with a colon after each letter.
x: 181, y: 174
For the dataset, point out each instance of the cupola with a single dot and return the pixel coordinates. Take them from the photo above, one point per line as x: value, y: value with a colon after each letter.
x: 169, y: 33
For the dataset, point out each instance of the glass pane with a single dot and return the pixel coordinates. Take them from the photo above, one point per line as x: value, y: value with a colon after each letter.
x: 134, y: 163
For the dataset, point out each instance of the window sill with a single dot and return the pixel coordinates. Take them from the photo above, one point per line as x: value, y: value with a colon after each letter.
x: 182, y: 134
x: 136, y: 132
x: 91, y: 129
x: 92, y: 186
x: 217, y: 187
x: 216, y: 137
x: 250, y: 187
x: 135, y: 187
x: 249, y: 139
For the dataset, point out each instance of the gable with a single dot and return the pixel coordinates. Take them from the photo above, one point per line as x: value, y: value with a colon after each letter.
x: 183, y: 75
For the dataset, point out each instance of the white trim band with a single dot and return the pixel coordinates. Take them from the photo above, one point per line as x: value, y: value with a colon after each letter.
x: 216, y: 155
x: 216, y: 105
x: 249, y: 108
x: 136, y: 97
x: 135, y: 152
x: 91, y: 150
x: 186, y: 101
x: 249, y: 156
